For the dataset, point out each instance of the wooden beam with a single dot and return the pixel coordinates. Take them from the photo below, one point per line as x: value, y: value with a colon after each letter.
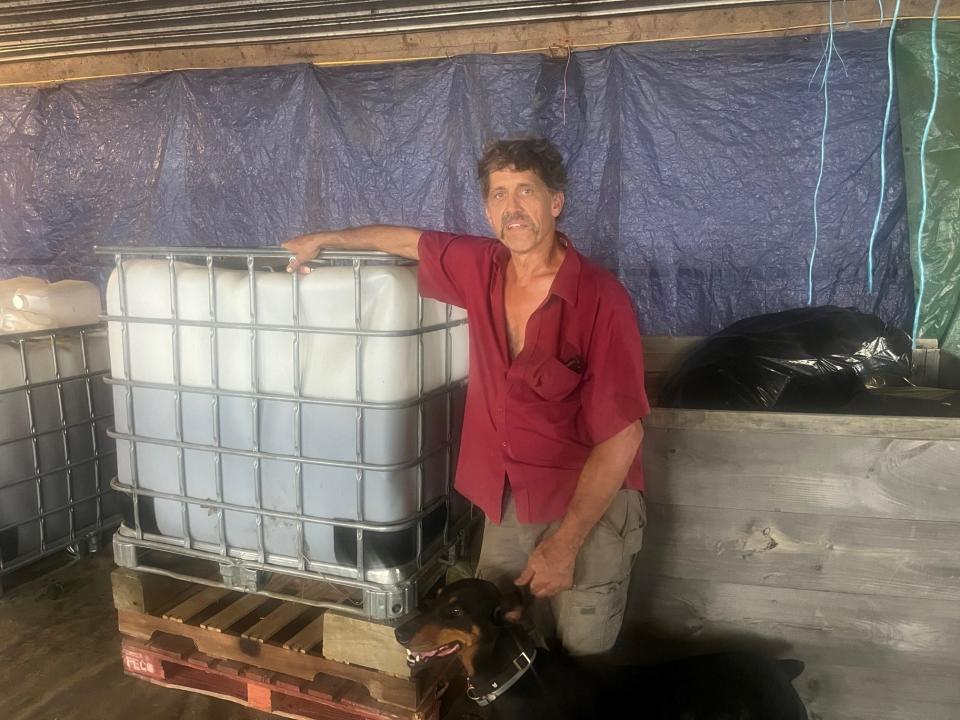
x: 308, y: 638
x: 143, y: 592
x: 196, y: 604
x: 543, y: 37
x: 365, y: 643
x: 233, y: 613
x: 273, y: 623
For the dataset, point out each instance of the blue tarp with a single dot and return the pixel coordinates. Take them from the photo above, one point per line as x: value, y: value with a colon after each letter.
x: 692, y: 165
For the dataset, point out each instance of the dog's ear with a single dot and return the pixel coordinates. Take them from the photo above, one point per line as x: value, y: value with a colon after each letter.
x: 510, y: 608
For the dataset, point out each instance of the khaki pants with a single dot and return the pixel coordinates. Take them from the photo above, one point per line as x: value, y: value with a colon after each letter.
x: 587, y: 617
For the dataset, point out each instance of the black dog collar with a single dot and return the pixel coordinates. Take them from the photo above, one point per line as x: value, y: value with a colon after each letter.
x: 483, y: 696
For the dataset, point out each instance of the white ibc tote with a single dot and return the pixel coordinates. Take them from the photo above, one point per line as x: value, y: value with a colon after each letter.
x: 56, y: 460
x: 299, y: 424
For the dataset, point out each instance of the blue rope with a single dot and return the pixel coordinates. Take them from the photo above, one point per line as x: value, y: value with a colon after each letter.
x: 843, y: 63
x: 823, y: 147
x: 883, y: 143
x: 813, y: 77
x: 923, y: 168
x: 823, y: 56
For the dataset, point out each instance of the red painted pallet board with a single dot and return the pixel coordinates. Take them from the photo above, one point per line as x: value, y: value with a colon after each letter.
x: 180, y: 666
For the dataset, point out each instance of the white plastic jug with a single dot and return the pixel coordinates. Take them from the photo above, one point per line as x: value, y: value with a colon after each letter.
x: 11, y: 319
x: 9, y: 288
x: 60, y: 304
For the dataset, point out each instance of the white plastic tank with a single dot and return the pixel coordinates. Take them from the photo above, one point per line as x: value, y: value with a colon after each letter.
x: 29, y: 303
x: 63, y: 431
x: 327, y: 370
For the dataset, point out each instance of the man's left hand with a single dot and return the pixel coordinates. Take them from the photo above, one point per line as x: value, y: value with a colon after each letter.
x: 549, y: 570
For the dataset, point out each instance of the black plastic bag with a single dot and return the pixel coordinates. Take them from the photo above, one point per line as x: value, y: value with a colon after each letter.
x: 803, y: 359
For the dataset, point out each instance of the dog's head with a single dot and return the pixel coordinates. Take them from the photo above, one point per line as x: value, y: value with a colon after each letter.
x: 466, y: 617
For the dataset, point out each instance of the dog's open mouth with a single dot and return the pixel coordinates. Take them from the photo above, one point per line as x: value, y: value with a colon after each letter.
x: 414, y: 658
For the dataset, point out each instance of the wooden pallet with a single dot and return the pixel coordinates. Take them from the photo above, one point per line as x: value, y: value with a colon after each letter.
x: 281, y: 637
x: 173, y: 662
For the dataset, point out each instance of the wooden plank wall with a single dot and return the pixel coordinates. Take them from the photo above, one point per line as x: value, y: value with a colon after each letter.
x: 840, y: 548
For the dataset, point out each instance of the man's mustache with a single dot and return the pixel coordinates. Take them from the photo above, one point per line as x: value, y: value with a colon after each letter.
x: 515, y: 217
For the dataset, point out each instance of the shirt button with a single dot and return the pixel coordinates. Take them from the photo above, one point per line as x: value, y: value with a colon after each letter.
x: 504, y: 443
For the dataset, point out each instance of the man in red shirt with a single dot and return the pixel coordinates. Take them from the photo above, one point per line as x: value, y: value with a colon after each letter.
x: 552, y: 427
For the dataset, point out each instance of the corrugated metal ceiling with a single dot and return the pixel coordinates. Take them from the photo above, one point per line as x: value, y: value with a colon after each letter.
x: 35, y: 29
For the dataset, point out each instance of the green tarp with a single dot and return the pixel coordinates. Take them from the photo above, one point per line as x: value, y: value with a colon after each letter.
x: 940, y: 308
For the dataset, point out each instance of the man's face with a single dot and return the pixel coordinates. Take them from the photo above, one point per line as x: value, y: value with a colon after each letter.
x: 522, y: 210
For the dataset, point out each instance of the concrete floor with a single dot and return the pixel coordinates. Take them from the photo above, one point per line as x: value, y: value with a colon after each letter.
x: 60, y: 654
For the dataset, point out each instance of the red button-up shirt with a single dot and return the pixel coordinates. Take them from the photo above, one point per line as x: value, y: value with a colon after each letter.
x: 577, y: 381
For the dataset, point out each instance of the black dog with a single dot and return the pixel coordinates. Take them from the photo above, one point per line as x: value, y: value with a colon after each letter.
x: 510, y: 678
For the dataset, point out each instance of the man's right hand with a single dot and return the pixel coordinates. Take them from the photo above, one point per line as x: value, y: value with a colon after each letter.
x: 304, y: 248
x: 391, y: 239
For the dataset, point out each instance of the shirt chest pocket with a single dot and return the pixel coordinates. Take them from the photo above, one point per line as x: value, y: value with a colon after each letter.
x: 551, y: 379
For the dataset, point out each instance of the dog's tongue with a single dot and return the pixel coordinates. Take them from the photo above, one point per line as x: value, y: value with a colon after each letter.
x: 441, y: 651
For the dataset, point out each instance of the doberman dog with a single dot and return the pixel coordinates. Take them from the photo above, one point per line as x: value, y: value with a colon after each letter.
x: 510, y: 678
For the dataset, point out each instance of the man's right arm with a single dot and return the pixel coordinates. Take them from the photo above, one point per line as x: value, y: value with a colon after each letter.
x: 392, y: 239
